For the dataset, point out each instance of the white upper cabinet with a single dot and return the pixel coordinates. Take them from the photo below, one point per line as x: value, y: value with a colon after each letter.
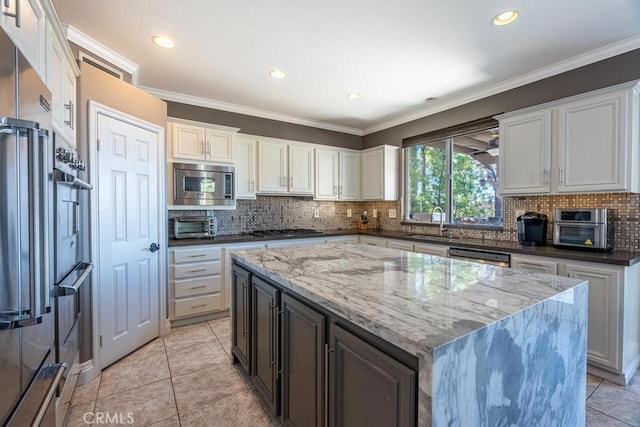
x: 380, y: 173
x: 285, y: 168
x: 582, y: 144
x: 337, y: 174
x: 27, y: 30
x: 525, y: 153
x: 595, y: 143
x: 245, y: 167
x: 202, y: 142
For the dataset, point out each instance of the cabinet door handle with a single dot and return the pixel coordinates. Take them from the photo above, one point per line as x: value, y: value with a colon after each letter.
x: 198, y: 271
x: 71, y: 121
x: 198, y: 287
x: 291, y: 181
x: 245, y: 318
x: 335, y: 189
x: 272, y: 321
x: 339, y: 190
x: 199, y: 306
x: 561, y: 174
x: 208, y: 152
x: 16, y: 14
x: 545, y: 176
x: 197, y: 256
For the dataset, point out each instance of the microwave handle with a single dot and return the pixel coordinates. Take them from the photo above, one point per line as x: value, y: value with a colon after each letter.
x: 188, y: 219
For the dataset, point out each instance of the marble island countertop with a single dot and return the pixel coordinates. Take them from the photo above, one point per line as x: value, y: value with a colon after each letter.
x: 495, y: 346
x: 409, y: 299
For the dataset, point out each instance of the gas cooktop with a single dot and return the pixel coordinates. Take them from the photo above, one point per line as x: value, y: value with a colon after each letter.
x: 285, y: 232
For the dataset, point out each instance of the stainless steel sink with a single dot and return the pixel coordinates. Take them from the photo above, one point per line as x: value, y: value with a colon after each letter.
x: 433, y: 238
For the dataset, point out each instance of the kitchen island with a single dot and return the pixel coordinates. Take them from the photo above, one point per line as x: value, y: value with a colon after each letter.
x: 492, y: 346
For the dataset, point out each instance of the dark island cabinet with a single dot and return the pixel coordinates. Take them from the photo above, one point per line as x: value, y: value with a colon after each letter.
x: 264, y: 358
x: 240, y: 317
x: 367, y: 387
x: 303, y: 339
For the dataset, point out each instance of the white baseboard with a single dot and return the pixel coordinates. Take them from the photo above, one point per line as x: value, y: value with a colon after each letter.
x: 87, y: 372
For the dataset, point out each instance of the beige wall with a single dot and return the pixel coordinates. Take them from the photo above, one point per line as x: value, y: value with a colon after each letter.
x: 98, y: 86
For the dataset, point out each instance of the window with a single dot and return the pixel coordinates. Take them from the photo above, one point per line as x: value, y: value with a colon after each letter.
x: 457, y: 174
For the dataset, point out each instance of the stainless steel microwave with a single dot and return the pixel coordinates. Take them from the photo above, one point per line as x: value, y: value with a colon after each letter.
x: 587, y: 228
x: 203, y: 185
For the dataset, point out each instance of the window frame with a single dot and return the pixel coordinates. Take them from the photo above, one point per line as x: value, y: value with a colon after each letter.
x: 449, y: 151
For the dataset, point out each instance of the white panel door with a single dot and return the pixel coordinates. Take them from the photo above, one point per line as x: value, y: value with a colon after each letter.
x: 326, y: 174
x: 525, y: 153
x: 128, y: 225
x: 534, y: 265
x: 300, y: 169
x: 349, y: 188
x: 272, y: 167
x: 188, y: 142
x: 592, y: 149
x: 245, y: 168
x: 372, y: 173
x: 219, y: 146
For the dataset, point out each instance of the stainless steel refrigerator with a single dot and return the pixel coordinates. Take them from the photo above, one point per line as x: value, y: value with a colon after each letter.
x: 28, y: 374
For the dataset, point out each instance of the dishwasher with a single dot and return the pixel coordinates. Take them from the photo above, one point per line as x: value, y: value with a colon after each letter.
x: 479, y: 255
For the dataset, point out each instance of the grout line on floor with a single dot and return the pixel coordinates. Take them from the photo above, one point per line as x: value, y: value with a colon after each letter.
x: 175, y: 399
x: 610, y: 416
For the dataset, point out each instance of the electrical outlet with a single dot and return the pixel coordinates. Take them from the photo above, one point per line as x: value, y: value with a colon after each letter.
x: 375, y: 213
x: 316, y: 212
x: 392, y: 213
x: 349, y: 213
x: 519, y: 212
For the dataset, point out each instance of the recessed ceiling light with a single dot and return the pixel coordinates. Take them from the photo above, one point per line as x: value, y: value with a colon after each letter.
x: 277, y: 74
x: 505, y: 18
x: 431, y: 99
x: 163, y: 41
x: 354, y: 95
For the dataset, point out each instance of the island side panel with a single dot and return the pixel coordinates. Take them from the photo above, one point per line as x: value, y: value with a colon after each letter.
x: 527, y: 369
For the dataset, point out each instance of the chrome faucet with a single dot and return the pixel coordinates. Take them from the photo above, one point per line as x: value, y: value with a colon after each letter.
x: 442, y: 227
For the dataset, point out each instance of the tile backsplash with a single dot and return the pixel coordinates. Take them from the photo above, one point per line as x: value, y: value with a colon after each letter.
x: 277, y: 212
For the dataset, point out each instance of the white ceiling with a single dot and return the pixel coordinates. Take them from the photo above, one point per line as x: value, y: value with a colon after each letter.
x: 395, y: 53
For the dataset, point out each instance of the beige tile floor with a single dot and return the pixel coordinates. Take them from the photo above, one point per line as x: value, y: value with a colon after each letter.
x: 186, y: 379
x: 183, y: 379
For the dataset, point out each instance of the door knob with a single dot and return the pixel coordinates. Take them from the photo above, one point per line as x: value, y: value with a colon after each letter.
x: 154, y: 247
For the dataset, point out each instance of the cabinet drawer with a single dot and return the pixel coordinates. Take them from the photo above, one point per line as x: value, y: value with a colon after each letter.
x: 186, y: 271
x: 191, y: 306
x: 201, y: 285
x: 197, y: 254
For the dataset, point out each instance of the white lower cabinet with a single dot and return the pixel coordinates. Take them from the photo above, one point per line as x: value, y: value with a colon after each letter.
x: 613, y: 337
x: 400, y: 244
x: 431, y: 249
x: 534, y: 264
x: 342, y: 239
x: 195, y: 286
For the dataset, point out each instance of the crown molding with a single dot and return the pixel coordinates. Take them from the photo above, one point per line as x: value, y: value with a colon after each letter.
x: 552, y: 70
x: 250, y: 111
x: 106, y: 53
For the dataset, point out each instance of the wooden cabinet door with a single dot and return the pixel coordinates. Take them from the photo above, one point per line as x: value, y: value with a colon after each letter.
x: 303, y: 364
x: 301, y: 170
x: 349, y: 183
x: 245, y: 168
x: 592, y: 144
x: 188, y: 142
x: 525, y: 153
x: 367, y: 387
x: 240, y: 317
x: 605, y: 317
x: 272, y: 167
x: 264, y: 337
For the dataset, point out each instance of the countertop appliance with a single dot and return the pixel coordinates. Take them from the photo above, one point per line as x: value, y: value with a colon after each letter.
x: 70, y: 271
x: 29, y: 376
x: 203, y: 185
x: 585, y: 228
x: 194, y: 227
x: 532, y: 229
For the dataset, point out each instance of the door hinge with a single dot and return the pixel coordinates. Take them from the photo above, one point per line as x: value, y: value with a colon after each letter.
x: 101, y: 340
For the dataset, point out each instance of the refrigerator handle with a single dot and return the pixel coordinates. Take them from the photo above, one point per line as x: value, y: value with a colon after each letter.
x: 46, y: 177
x: 16, y: 14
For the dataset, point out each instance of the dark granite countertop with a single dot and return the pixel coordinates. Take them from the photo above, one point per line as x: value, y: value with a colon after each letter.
x: 615, y: 258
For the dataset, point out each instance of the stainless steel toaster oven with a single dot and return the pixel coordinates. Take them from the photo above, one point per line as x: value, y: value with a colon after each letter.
x: 587, y: 228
